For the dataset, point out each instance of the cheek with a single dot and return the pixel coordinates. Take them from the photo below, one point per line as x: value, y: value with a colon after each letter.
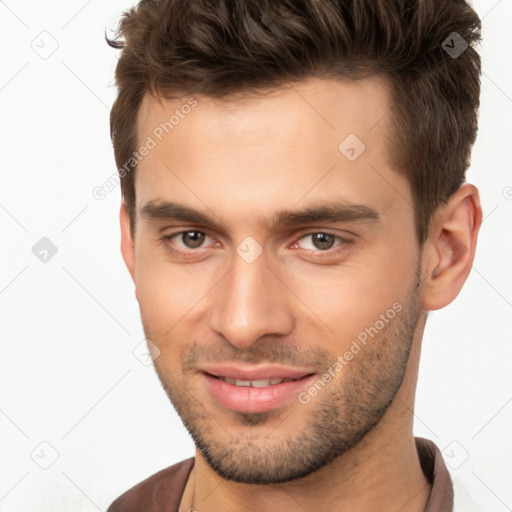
x: 166, y: 310
x: 346, y: 300
x: 156, y: 289
x: 169, y: 295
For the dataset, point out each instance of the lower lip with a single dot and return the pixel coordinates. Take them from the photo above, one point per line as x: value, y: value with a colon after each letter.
x: 248, y: 399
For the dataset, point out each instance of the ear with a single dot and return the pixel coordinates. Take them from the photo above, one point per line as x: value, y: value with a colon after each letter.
x: 127, y: 243
x: 450, y: 248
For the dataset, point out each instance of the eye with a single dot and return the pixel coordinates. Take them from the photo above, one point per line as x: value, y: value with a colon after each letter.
x: 188, y: 243
x: 186, y: 240
x: 321, y: 241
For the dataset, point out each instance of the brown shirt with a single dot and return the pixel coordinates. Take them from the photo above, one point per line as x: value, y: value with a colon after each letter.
x: 163, y: 491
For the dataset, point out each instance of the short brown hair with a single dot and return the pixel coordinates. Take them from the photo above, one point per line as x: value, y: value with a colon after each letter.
x: 221, y: 47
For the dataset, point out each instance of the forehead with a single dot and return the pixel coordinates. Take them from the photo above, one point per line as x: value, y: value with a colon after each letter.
x: 327, y: 105
x: 303, y: 142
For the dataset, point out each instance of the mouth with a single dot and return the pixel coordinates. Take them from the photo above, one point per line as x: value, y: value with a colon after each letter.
x: 259, y: 383
x: 252, y: 389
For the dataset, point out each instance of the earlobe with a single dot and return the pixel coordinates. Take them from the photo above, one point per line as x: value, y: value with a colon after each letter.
x: 127, y: 243
x: 450, y: 248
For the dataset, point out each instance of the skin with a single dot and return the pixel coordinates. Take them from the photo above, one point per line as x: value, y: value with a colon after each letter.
x: 242, y: 160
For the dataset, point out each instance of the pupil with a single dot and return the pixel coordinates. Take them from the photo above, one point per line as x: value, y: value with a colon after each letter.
x: 196, y: 238
x: 323, y: 240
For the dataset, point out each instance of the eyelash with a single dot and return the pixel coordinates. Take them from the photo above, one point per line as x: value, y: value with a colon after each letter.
x: 342, y: 246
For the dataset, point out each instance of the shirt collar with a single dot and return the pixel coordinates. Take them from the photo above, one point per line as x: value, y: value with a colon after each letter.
x: 436, y: 472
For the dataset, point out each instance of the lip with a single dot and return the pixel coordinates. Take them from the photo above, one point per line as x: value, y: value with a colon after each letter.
x: 254, y: 399
x: 255, y: 372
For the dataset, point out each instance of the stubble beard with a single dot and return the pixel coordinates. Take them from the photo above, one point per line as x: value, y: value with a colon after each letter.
x: 330, y: 424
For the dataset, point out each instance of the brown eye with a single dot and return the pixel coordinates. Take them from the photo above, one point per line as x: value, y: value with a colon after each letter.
x: 323, y: 240
x: 320, y: 241
x: 191, y: 243
x: 192, y: 239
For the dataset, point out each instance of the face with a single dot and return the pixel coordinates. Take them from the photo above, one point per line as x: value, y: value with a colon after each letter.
x: 276, y: 267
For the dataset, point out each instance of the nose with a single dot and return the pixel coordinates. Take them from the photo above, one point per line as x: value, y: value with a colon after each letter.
x: 250, y: 302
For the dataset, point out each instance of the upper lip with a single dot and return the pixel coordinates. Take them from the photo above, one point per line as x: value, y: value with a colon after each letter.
x: 255, y: 372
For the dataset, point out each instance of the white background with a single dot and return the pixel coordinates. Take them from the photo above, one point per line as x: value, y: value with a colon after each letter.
x: 69, y: 327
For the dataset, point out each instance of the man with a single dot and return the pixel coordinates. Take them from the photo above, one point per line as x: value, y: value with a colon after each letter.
x: 293, y: 206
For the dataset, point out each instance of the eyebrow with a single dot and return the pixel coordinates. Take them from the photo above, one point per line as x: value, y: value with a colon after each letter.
x: 325, y: 212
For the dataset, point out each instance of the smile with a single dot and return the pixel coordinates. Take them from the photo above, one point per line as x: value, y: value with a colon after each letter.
x: 261, y: 383
x: 254, y: 388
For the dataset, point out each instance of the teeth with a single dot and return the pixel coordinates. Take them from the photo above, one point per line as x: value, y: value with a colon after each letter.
x: 261, y: 383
